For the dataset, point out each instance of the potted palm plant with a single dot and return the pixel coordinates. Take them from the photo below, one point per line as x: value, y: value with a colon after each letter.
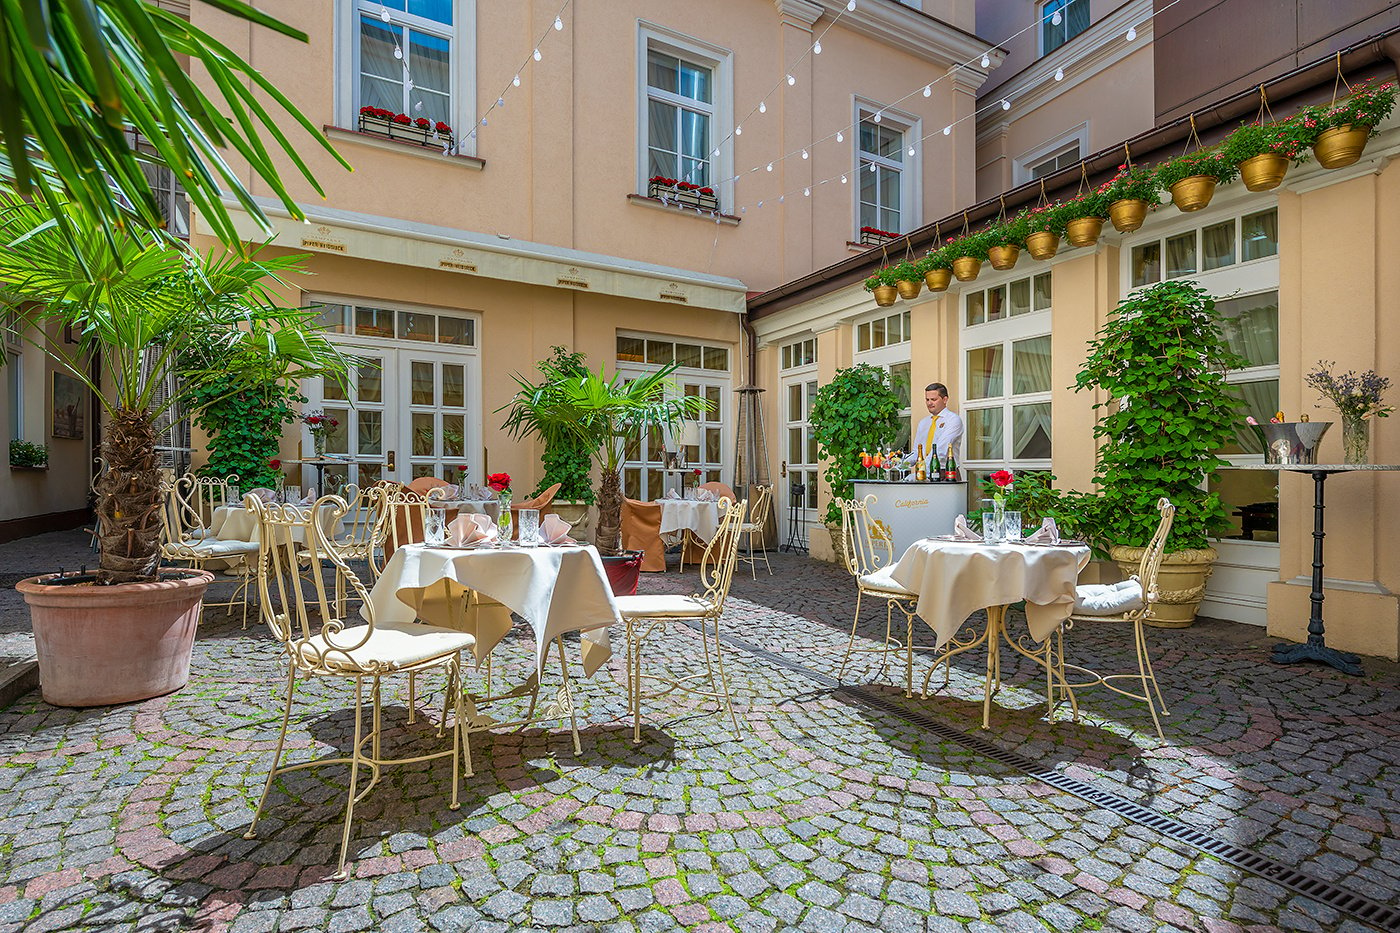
x: 1161, y: 363
x: 566, y: 459
x: 603, y: 415
x: 137, y: 304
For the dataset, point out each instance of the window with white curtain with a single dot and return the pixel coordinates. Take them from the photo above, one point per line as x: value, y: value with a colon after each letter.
x: 405, y: 57
x: 883, y: 189
x: 1061, y: 21
x: 883, y: 341
x: 680, y: 116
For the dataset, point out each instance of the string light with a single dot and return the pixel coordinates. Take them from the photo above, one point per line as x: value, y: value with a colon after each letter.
x: 515, y: 81
x: 780, y: 198
x: 770, y: 166
x: 500, y: 102
x: 1132, y: 33
x: 760, y: 202
x: 911, y: 150
x: 804, y: 154
x: 559, y: 23
x: 986, y: 60
x: 928, y: 89
x: 806, y: 192
x: 791, y: 80
x: 384, y: 12
x: 398, y: 53
x: 1055, y: 20
x: 840, y: 137
x: 851, y: 6
x: 817, y: 47
x: 538, y: 56
x: 1059, y: 74
x: 948, y: 129
x: 739, y: 130
x: 763, y: 106
x: 715, y: 154
x: 872, y: 168
x: 1005, y: 104
x: 843, y: 179
x: 877, y: 117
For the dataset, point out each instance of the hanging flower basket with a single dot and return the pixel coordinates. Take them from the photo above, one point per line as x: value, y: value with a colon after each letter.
x: 400, y: 126
x: 908, y: 280
x: 1192, y: 178
x: 1343, y: 126
x: 1128, y: 215
x: 1263, y: 172
x: 882, y: 286
x: 1130, y: 194
x: 1193, y: 193
x: 1340, y: 146
x: 885, y: 295
x: 700, y: 197
x: 966, y: 268
x: 1042, y: 244
x: 938, y: 280
x: 1083, y: 231
x: 1003, y: 258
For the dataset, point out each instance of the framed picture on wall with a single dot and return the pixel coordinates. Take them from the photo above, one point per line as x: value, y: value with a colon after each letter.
x: 69, y: 406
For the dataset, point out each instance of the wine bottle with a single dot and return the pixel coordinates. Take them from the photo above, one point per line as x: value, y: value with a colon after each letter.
x: 936, y: 476
x: 952, y: 472
x: 920, y: 471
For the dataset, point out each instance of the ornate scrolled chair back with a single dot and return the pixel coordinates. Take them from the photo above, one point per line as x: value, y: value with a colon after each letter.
x: 1152, y: 557
x: 401, y: 515
x: 356, y: 538
x: 762, y: 504
x: 869, y: 546
x: 299, y: 610
x: 721, y: 554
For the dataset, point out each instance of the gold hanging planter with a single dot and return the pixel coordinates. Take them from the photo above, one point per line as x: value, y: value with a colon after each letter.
x: 1084, y: 231
x: 1340, y: 146
x: 1193, y: 193
x: 885, y: 295
x: 938, y: 280
x: 966, y: 268
x: 908, y: 289
x: 1042, y: 244
x: 1004, y: 257
x: 1128, y: 214
x: 1263, y: 172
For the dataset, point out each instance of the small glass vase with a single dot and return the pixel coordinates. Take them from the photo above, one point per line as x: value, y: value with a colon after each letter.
x: 1356, y: 440
x: 999, y: 518
x: 318, y: 444
x: 503, y: 523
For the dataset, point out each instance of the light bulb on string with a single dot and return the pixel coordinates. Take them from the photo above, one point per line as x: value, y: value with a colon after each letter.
x: 928, y: 89
x: 763, y: 106
x: 851, y: 6
x: 760, y: 202
x: 911, y: 150
x: 408, y: 83
x: 418, y: 107
x: 877, y: 117
x: 843, y: 179
x: 500, y: 101
x: 780, y: 198
x: 872, y: 168
x: 1132, y: 33
x: 398, y: 53
x: 986, y: 60
x: 715, y: 154
x: 1059, y: 74
x: 558, y: 24
x: 947, y: 130
x: 515, y: 81
x: 840, y: 137
x: 817, y: 48
x: 791, y: 80
x: 770, y: 166
x: 483, y: 121
x: 1055, y: 20
x: 739, y: 130
x: 1005, y: 104
x: 384, y: 12
x: 806, y: 192
x: 538, y: 56
x: 804, y: 154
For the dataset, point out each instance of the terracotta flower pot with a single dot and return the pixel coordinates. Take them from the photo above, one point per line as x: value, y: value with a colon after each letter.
x: 885, y: 295
x: 1128, y: 214
x: 1004, y: 257
x: 1042, y: 244
x: 966, y: 268
x: 1340, y: 146
x: 1263, y: 172
x: 1084, y: 231
x: 909, y: 290
x: 938, y: 280
x: 101, y: 645
x: 1194, y: 193
x: 1181, y: 582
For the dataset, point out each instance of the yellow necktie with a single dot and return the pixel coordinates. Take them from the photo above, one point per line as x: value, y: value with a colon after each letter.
x: 928, y: 437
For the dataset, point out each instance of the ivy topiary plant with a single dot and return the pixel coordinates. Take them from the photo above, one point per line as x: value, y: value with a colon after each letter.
x: 855, y: 409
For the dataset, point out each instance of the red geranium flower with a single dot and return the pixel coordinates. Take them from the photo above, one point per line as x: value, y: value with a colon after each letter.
x: 423, y: 122
x: 708, y: 191
x: 500, y: 482
x: 442, y: 127
x: 462, y: 468
x: 275, y: 464
x: 403, y: 118
x: 1003, y: 478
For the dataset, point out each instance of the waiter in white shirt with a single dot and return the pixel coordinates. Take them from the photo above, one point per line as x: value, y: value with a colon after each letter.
x: 941, y: 430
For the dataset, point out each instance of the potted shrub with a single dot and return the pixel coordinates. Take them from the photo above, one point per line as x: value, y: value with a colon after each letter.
x: 1340, y: 129
x: 1130, y: 194
x: 969, y: 251
x: 25, y: 455
x: 858, y: 406
x: 1044, y: 227
x: 1192, y: 178
x: 1263, y: 151
x: 137, y: 303
x: 883, y: 285
x: 1161, y: 362
x: 1004, y: 242
x: 603, y: 415
x: 566, y: 459
x: 1083, y: 217
x: 937, y: 269
x: 908, y: 280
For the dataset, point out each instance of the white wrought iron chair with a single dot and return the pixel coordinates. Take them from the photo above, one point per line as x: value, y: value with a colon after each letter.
x: 317, y: 642
x: 196, y: 498
x: 196, y: 547
x: 757, y: 524
x: 646, y: 616
x: 1129, y: 602
x: 869, y: 553
x: 352, y: 535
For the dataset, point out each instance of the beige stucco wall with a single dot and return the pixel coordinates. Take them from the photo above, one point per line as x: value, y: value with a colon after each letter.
x: 562, y: 156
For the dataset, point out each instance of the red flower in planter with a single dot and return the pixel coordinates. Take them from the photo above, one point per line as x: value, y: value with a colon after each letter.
x: 462, y: 469
x: 708, y: 191
x: 442, y: 127
x: 423, y: 122
x: 403, y: 118
x: 500, y: 482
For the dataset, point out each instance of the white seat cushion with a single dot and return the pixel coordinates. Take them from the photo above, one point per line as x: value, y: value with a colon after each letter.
x: 1107, y: 599
x: 401, y: 644
x: 661, y: 607
x: 750, y: 526
x: 882, y: 582
x: 217, y: 547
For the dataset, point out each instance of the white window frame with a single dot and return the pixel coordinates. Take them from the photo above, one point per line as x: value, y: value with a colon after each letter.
x: 1003, y: 333
x: 720, y: 61
x: 462, y: 108
x: 1044, y: 22
x: 886, y: 357
x: 1023, y: 164
x: 800, y: 376
x: 910, y: 169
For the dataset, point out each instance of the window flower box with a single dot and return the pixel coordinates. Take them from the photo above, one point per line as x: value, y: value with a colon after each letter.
x: 400, y: 126
x: 683, y: 193
x: 874, y: 236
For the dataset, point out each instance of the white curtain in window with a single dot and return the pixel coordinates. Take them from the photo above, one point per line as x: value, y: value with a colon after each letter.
x: 1030, y: 366
x: 1251, y: 327
x: 429, y: 60
x: 1076, y: 17
x: 1030, y: 431
x: 381, y: 75
x: 1260, y: 401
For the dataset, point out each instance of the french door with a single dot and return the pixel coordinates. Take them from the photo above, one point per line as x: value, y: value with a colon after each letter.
x: 800, y: 450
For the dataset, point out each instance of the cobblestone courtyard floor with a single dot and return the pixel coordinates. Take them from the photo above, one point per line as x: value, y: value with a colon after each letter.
x: 836, y: 809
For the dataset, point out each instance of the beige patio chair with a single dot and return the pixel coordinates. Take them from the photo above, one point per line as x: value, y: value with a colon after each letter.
x: 648, y: 616
x: 869, y: 555
x: 757, y: 525
x: 1129, y: 602
x: 353, y: 536
x: 316, y: 641
x: 197, y: 548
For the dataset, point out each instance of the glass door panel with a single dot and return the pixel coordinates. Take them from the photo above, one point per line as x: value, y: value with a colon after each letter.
x: 439, y: 431
x: 359, y: 407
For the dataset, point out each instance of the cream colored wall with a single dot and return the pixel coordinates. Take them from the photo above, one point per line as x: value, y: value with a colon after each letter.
x: 63, y: 487
x: 562, y: 157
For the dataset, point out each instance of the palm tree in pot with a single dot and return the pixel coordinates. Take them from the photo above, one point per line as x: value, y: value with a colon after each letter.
x: 142, y: 307
x: 605, y: 415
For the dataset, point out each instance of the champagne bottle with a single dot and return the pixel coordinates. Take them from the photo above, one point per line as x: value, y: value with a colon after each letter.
x: 937, y: 475
x: 920, y: 471
x: 952, y: 476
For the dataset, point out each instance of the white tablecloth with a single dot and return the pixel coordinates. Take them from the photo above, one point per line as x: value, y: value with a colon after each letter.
x: 954, y: 579
x: 235, y: 523
x: 556, y: 590
x: 700, y: 518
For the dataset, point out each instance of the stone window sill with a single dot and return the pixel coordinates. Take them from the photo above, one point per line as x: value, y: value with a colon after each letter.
x: 658, y: 204
x: 375, y: 141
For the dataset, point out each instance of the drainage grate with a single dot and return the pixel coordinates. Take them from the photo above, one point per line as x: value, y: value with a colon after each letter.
x: 1381, y: 916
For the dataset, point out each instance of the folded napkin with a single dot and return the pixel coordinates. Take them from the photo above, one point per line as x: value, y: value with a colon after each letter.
x: 963, y: 533
x: 672, y: 494
x: 451, y: 492
x: 267, y: 496
x: 1047, y: 533
x: 704, y: 495
x: 470, y: 529
x: 554, y: 531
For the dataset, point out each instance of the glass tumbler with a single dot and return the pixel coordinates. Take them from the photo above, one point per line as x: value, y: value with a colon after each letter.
x: 434, y: 527
x: 1011, y: 527
x: 529, y: 527
x: 991, y: 530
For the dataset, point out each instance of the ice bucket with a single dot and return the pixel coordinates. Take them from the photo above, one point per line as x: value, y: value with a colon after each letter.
x: 1293, y: 441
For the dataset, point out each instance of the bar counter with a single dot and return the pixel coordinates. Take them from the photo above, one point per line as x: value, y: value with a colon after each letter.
x: 912, y: 510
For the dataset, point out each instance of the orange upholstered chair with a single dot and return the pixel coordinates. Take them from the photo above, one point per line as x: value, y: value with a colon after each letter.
x: 641, y: 531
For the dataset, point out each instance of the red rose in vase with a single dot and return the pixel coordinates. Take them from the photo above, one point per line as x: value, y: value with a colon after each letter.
x: 499, y: 482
